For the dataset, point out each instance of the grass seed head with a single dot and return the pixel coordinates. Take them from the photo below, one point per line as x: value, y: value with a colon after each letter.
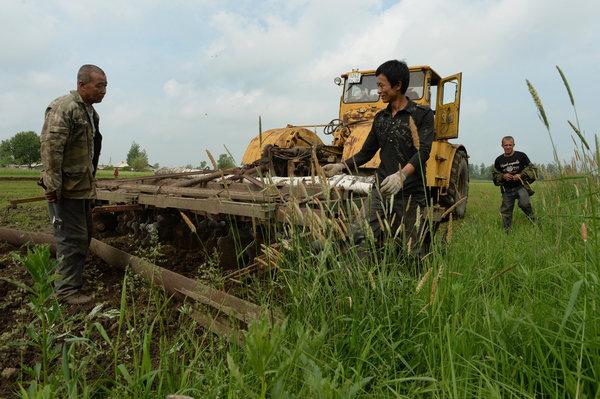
x: 567, y: 86
x: 423, y: 281
x: 538, y: 104
x: 187, y: 221
x: 578, y: 132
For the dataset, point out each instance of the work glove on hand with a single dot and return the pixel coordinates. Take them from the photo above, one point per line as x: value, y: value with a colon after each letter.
x: 393, y: 183
x: 333, y: 169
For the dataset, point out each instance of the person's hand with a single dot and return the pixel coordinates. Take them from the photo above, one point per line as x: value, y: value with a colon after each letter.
x: 51, y: 196
x: 507, y: 177
x: 393, y: 183
x: 333, y: 169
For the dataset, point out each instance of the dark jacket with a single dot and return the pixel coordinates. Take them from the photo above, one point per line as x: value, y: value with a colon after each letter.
x: 405, y: 138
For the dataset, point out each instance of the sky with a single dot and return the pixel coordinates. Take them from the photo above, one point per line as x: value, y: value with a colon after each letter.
x: 189, y: 76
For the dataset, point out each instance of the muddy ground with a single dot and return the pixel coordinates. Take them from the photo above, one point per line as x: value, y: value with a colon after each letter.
x: 102, y: 281
x: 16, y: 315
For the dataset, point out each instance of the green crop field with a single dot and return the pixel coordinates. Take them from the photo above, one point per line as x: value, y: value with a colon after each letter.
x: 102, y: 174
x: 492, y: 315
x: 32, y: 216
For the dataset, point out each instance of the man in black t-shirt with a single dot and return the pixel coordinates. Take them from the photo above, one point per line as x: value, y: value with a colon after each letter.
x: 512, y: 172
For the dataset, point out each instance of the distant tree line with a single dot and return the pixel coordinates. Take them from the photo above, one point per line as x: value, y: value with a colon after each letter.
x: 225, y: 161
x: 24, y: 149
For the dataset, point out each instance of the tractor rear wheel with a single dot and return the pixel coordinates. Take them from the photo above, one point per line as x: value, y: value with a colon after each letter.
x: 459, y: 185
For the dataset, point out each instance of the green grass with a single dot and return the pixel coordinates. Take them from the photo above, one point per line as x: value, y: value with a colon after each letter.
x: 33, y: 216
x: 102, y: 174
x: 28, y: 216
x: 18, y: 172
x: 15, y: 189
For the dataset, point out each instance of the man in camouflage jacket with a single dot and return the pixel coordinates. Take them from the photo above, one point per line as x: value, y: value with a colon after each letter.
x: 70, y: 149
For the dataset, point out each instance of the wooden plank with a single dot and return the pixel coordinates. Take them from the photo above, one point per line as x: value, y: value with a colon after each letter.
x: 193, y: 192
x: 242, y: 187
x: 177, y: 284
x: 13, y: 203
x: 210, y: 205
x: 116, y: 196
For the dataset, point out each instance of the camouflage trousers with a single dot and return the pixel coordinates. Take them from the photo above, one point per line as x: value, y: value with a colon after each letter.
x: 71, y: 221
x: 509, y: 196
x: 401, y: 217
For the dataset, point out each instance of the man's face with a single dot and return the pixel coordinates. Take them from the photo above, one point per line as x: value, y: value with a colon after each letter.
x: 385, y: 89
x: 508, y: 146
x: 93, y: 91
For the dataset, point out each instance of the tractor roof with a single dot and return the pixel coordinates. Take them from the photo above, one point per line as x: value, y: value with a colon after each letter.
x: 435, y: 78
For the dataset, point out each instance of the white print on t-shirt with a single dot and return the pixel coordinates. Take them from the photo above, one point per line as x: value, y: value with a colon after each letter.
x: 510, y: 167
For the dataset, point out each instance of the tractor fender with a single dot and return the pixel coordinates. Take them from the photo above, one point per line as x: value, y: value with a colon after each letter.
x: 439, y: 164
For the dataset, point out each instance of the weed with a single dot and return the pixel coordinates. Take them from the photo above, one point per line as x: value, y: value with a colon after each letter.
x: 43, y: 330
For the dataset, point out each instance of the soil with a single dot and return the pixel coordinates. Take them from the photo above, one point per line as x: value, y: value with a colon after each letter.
x: 103, y: 283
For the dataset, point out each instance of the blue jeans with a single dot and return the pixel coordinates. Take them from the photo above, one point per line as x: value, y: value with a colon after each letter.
x: 509, y: 196
x: 71, y: 221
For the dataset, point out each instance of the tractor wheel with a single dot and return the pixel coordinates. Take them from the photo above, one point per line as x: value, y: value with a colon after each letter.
x: 459, y: 185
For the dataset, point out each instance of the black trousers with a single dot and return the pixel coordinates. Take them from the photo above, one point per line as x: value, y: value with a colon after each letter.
x: 509, y: 196
x: 402, y: 216
x: 72, y: 223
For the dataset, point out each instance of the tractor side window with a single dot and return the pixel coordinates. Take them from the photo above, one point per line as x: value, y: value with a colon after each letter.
x: 450, y: 91
x: 415, y: 86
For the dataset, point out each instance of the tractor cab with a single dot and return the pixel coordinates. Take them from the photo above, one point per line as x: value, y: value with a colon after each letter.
x: 360, y: 100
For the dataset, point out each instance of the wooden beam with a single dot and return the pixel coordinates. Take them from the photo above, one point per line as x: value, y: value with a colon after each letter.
x: 213, y: 206
x: 13, y: 203
x: 191, y: 192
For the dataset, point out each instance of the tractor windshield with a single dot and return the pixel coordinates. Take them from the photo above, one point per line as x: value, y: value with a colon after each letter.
x: 363, y: 89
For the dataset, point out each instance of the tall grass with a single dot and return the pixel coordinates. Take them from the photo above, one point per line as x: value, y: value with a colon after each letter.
x: 491, y: 315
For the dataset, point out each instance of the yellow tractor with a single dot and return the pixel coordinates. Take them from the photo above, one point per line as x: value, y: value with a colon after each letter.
x: 233, y: 210
x: 293, y: 150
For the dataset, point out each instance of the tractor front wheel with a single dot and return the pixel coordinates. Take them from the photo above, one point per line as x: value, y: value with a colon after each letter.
x: 459, y: 185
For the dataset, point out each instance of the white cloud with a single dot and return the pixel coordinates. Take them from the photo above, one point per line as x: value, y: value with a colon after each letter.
x: 27, y: 33
x: 473, y: 106
x: 185, y: 76
x: 172, y: 88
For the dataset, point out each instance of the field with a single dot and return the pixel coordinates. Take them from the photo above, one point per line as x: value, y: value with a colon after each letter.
x: 492, y: 315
